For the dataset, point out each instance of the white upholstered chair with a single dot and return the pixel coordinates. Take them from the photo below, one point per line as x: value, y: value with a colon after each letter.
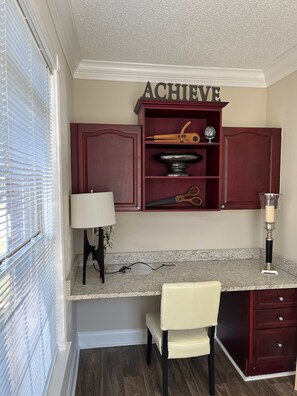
x: 186, y: 324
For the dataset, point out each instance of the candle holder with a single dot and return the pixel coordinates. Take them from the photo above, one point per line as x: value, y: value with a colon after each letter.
x: 269, y: 202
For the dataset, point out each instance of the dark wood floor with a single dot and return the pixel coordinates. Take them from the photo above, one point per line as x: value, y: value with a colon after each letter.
x: 122, y: 371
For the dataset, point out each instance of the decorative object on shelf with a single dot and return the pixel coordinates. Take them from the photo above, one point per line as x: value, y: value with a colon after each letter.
x: 178, y: 92
x: 108, y: 240
x: 269, y: 202
x: 190, y: 196
x: 93, y: 210
x: 210, y: 133
x: 182, y: 137
x: 177, y: 162
x: 174, y: 138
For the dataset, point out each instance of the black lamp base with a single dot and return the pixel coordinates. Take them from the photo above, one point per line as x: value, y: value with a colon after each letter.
x: 97, y: 254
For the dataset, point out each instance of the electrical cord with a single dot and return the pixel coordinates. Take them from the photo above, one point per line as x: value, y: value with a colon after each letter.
x: 126, y: 268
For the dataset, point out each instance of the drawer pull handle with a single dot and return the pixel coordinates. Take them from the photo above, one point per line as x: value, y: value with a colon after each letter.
x: 280, y: 318
x: 279, y: 344
x: 281, y: 299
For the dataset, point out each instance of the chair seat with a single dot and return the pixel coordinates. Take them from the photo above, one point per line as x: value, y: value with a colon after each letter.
x: 181, y: 343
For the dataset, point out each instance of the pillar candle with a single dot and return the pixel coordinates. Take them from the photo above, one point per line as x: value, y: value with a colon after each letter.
x: 269, y: 214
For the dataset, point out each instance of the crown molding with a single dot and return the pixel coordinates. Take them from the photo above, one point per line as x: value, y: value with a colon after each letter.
x: 140, y: 72
x: 61, y: 13
x: 282, y: 67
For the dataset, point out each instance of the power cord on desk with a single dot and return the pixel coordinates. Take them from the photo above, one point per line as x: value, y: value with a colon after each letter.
x: 126, y: 268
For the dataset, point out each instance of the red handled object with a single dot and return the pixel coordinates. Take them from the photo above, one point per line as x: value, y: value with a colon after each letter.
x: 190, y: 196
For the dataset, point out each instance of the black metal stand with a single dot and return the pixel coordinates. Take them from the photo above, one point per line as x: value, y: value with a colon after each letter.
x: 268, y: 269
x: 97, y: 254
x: 269, y: 246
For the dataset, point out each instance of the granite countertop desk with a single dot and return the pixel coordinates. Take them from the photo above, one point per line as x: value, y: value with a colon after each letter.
x: 234, y: 274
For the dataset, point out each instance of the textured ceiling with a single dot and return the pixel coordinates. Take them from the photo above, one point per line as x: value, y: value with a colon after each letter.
x: 249, y: 34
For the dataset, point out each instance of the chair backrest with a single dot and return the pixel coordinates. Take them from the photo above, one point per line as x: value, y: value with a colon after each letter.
x: 190, y: 305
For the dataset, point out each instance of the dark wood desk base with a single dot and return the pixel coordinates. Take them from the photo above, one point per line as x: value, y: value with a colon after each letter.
x: 258, y: 328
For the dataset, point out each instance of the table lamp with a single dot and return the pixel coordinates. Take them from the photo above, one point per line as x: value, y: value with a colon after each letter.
x: 269, y: 202
x: 93, y: 210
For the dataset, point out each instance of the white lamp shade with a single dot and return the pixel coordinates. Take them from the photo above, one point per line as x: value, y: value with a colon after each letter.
x: 92, y: 210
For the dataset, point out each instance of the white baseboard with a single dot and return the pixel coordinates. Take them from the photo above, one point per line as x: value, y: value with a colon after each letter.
x: 73, y: 371
x: 64, y: 372
x: 109, y: 338
x: 253, y: 377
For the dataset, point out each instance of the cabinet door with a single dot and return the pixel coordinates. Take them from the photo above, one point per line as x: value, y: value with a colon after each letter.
x: 108, y: 158
x: 251, y: 164
x: 275, y: 345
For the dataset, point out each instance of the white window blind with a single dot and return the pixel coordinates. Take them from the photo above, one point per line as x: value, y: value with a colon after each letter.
x: 28, y: 340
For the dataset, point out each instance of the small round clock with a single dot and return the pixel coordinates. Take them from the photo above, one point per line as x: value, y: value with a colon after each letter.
x: 210, y: 133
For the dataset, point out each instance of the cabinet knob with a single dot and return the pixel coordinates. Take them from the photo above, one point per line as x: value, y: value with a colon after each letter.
x: 280, y: 318
x: 138, y: 207
x: 279, y: 344
x: 281, y: 299
x: 223, y: 206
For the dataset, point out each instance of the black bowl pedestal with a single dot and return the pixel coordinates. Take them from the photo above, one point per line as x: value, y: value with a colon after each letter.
x: 178, y: 162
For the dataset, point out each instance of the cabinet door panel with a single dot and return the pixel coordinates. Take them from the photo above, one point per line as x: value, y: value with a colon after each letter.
x: 251, y: 164
x: 108, y: 158
x: 275, y: 344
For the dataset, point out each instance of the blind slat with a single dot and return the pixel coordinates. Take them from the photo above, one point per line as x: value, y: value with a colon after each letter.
x: 28, y: 340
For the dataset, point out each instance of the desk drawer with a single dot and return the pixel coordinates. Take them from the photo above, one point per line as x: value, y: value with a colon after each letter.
x: 275, y: 298
x: 275, y: 344
x: 276, y: 317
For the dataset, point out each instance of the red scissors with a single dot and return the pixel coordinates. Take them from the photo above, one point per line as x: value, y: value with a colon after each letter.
x: 190, y: 196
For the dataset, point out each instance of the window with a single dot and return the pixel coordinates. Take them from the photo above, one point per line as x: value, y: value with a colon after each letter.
x: 28, y: 336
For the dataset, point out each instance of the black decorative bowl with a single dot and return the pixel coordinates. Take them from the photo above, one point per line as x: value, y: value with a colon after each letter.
x: 178, y: 162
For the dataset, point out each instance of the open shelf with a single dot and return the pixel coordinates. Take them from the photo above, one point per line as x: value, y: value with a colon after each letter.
x: 170, y: 117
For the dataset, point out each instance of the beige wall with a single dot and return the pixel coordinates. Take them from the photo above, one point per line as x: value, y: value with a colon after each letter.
x: 113, y: 102
x: 281, y: 111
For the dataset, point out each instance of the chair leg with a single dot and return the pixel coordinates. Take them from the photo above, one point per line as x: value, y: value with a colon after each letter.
x: 211, y: 369
x: 149, y: 347
x: 165, y: 362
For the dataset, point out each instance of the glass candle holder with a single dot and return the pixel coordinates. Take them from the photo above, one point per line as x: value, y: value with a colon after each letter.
x: 270, y: 203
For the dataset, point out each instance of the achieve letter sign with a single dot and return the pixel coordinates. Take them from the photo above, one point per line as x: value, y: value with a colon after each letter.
x: 171, y: 91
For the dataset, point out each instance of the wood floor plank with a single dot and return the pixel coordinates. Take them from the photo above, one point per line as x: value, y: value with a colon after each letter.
x: 152, y: 372
x: 283, y: 388
x: 176, y: 380
x: 193, y: 371
x: 90, y: 364
x: 112, y: 373
x: 122, y: 371
x: 135, y: 386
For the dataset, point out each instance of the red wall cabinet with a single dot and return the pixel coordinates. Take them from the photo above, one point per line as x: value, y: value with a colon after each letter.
x: 250, y: 165
x: 108, y: 158
x: 236, y: 166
